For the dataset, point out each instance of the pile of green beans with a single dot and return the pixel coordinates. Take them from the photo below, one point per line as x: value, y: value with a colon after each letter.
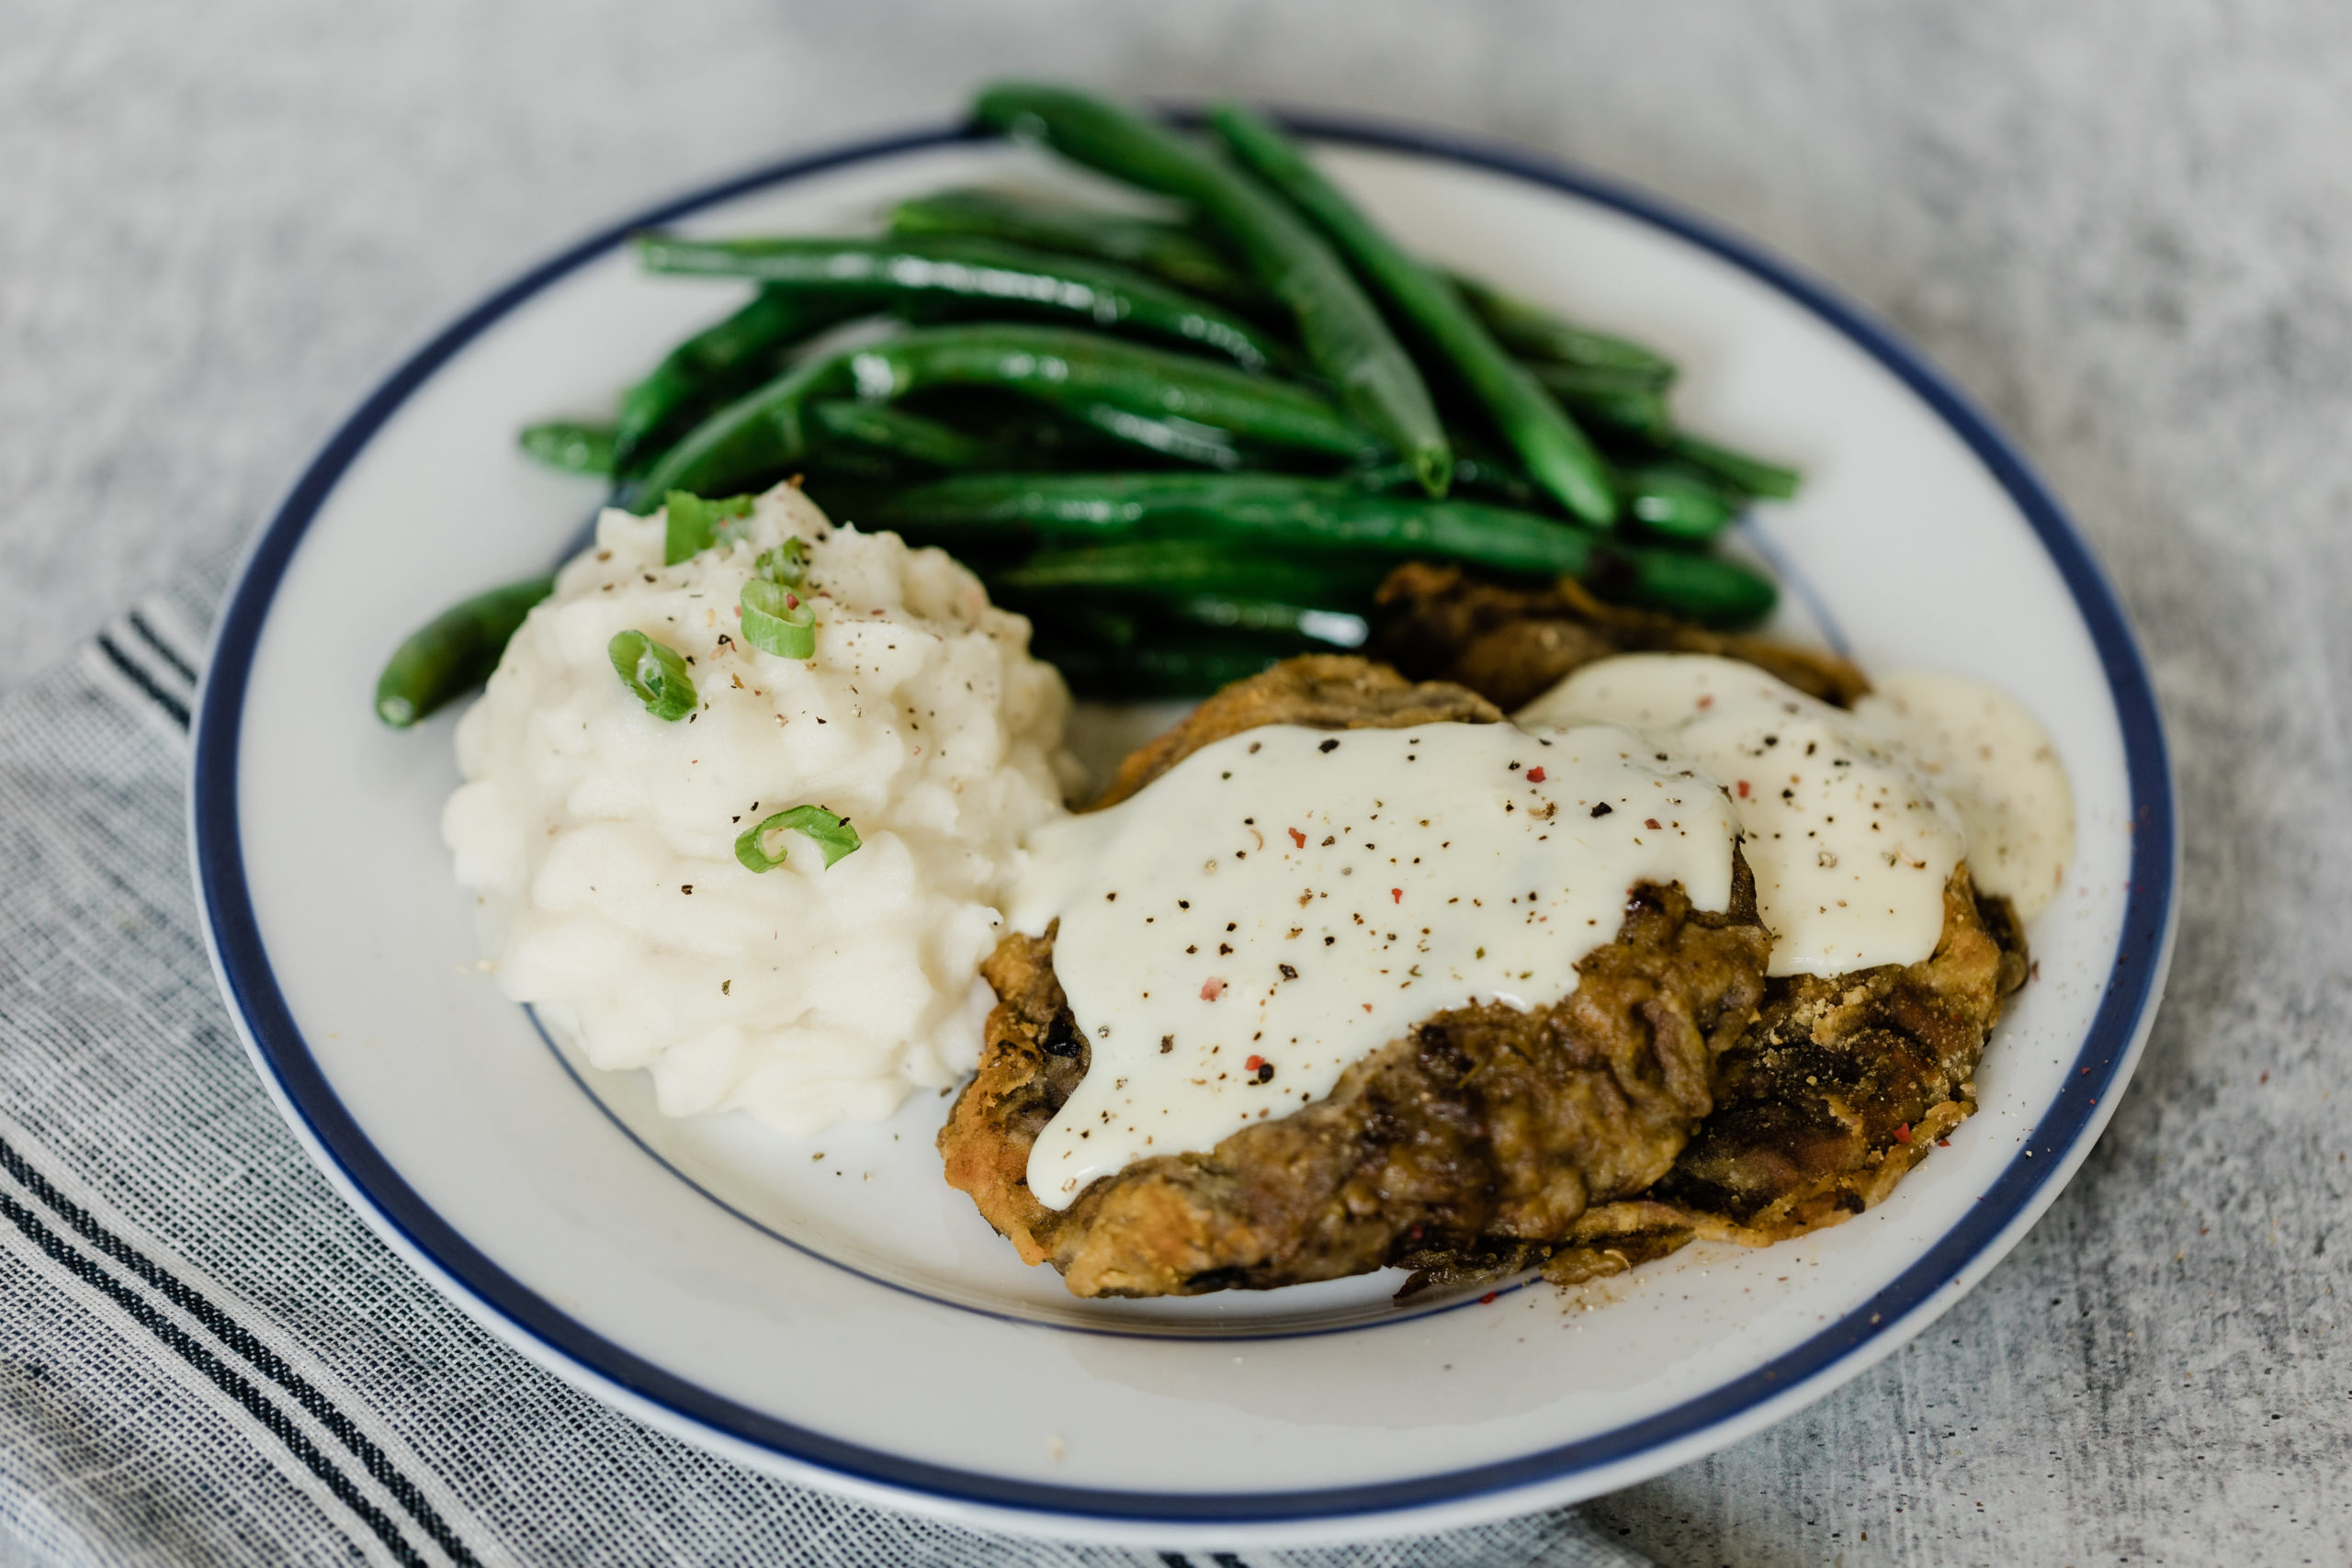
x: 1556, y: 454
x: 1185, y: 442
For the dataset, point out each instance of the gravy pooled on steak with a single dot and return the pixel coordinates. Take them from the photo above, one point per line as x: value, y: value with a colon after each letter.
x: 1481, y: 1120
x: 1676, y: 1089
x: 1285, y: 900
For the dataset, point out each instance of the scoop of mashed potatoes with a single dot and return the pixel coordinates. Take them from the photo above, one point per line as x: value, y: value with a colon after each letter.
x: 600, y: 839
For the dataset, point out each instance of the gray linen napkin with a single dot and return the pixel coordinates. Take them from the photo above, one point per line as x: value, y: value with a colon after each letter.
x: 205, y: 1358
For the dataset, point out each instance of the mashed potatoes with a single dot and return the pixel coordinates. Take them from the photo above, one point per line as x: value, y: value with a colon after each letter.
x: 600, y: 839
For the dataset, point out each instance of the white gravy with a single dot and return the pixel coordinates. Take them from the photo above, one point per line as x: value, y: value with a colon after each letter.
x: 1852, y: 822
x: 1285, y: 901
x: 1850, y: 849
x: 1238, y: 933
x: 1982, y: 749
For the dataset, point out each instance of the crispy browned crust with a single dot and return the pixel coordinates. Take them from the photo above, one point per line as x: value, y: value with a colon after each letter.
x: 1838, y: 1089
x: 1810, y: 1105
x: 1511, y: 644
x: 1675, y: 1094
x: 1485, y: 1127
x: 1320, y: 691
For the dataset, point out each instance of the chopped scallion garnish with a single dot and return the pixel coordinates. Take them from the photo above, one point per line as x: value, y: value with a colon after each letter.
x: 788, y: 563
x: 656, y: 673
x: 778, y: 621
x: 829, y: 833
x: 695, y: 524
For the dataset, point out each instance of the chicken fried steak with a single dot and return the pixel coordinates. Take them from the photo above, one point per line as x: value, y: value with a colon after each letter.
x: 1484, y: 1125
x: 1676, y: 1092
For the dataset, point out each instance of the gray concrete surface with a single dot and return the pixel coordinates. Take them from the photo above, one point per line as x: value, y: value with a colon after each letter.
x: 2126, y: 227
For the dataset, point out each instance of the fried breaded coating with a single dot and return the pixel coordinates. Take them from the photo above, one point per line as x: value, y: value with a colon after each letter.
x: 1510, y: 645
x: 1840, y: 1086
x: 1319, y: 691
x: 1676, y: 1093
x: 1484, y: 1125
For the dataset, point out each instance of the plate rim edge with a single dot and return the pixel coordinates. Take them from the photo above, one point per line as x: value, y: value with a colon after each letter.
x: 2017, y: 1197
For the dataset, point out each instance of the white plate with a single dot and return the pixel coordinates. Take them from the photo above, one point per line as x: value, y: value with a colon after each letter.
x: 832, y: 1311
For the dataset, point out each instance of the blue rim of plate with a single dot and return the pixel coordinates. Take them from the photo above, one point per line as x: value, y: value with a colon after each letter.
x: 2022, y: 1185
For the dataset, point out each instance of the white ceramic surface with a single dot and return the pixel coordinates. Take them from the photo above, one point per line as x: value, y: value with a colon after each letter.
x: 830, y: 1309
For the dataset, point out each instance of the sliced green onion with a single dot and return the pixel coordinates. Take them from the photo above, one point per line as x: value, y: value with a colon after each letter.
x: 656, y: 673
x: 778, y: 621
x: 695, y: 524
x: 788, y: 563
x: 829, y: 833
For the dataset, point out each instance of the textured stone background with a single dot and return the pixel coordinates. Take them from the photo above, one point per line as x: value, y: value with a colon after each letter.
x: 2126, y: 227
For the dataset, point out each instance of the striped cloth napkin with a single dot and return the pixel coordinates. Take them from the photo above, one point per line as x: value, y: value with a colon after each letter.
x: 205, y: 1358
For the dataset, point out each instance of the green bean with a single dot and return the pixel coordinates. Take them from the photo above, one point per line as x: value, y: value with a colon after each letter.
x: 1030, y: 434
x: 1116, y: 627
x: 1668, y: 496
x: 1676, y: 499
x: 826, y: 462
x: 721, y: 362
x: 1168, y: 251
x: 1554, y: 453
x: 453, y: 652
x: 1639, y: 411
x: 1344, y: 335
x: 1237, y: 514
x: 1591, y: 381
x: 1079, y: 372
x: 1085, y: 618
x: 1335, y: 628
x: 1753, y: 475
x: 1535, y: 333
x: 1179, y: 438
x: 1486, y: 476
x: 1088, y: 435
x: 759, y: 433
x: 1243, y: 510
x: 1177, y: 569
x: 1708, y: 589
x: 1194, y: 667
x: 1074, y: 371
x: 1614, y: 398
x: 966, y: 271
x: 895, y: 433
x: 572, y: 446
